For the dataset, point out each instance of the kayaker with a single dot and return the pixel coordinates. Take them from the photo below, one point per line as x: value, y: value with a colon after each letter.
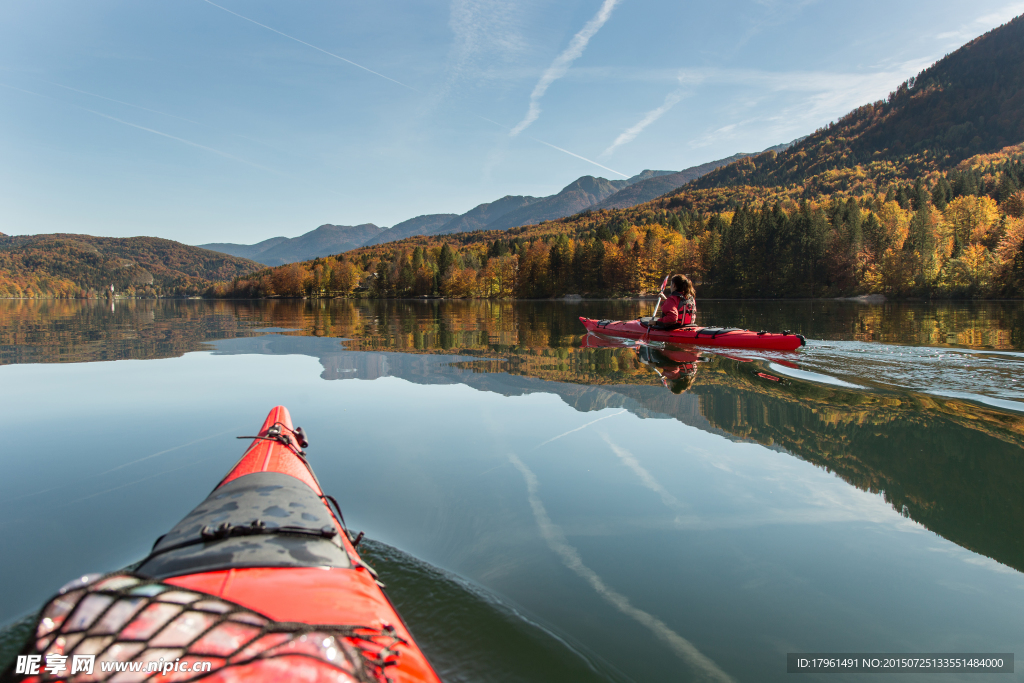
x: 680, y: 378
x: 680, y: 306
x: 676, y: 369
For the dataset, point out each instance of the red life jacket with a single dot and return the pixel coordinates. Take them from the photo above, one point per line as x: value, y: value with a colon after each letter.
x: 677, y: 310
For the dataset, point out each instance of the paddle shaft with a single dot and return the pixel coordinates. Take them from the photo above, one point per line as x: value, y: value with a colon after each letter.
x: 656, y: 307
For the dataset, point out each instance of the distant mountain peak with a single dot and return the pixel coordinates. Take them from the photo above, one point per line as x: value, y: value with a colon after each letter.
x: 644, y: 175
x: 657, y: 183
x: 324, y: 240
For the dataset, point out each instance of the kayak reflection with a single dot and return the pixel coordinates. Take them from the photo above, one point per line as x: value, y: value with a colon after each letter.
x: 675, y: 368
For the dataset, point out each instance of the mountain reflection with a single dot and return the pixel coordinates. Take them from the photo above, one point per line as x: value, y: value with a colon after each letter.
x: 955, y: 466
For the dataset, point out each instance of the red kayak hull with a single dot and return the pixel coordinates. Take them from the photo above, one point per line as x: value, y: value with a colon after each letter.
x: 309, y: 598
x: 704, y: 336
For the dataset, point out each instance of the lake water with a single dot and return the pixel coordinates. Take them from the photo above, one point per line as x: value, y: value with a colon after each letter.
x: 546, y: 506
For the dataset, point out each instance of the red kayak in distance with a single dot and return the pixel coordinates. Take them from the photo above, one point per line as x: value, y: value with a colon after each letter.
x: 727, y: 337
x: 261, y: 582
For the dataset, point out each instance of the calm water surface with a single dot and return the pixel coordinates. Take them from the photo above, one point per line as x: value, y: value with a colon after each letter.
x: 547, y: 506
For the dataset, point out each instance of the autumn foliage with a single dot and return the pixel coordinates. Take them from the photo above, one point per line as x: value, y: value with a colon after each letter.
x: 958, y: 232
x: 83, y: 266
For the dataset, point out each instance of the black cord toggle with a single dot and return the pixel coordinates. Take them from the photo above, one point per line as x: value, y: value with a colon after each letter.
x: 275, y: 433
x: 300, y: 435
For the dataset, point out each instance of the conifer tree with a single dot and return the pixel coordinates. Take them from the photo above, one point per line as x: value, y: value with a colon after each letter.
x: 1007, y: 186
x: 445, y: 261
x: 942, y: 193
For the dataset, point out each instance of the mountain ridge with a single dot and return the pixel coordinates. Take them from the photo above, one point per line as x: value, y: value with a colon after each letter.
x: 321, y: 241
x: 577, y: 196
x: 652, y: 188
x: 420, y: 225
x: 510, y: 211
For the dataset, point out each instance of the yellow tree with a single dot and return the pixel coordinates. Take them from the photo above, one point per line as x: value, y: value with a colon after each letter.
x: 291, y: 279
x: 971, y: 218
x: 613, y: 266
x: 487, y: 282
x: 892, y: 274
x: 344, y: 278
x: 977, y: 265
x: 534, y: 276
x: 894, y: 227
x: 1011, y: 242
x: 506, y: 273
x: 320, y: 278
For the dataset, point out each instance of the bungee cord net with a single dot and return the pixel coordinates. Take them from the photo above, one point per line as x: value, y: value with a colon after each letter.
x: 122, y: 619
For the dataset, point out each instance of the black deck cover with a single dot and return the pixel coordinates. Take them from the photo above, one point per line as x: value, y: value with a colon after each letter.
x: 277, y: 500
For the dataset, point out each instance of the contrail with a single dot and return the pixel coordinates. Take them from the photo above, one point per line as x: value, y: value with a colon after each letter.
x: 126, y: 464
x: 562, y: 63
x: 572, y: 154
x: 133, y: 483
x: 127, y: 104
x: 281, y: 33
x: 163, y: 113
x: 557, y: 542
x: 627, y: 135
x: 589, y: 161
x: 630, y: 461
x: 579, y: 428
x: 148, y: 130
x: 183, y: 140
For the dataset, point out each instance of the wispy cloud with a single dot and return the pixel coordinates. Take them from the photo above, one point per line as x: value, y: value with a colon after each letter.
x: 556, y: 540
x: 485, y: 32
x: 488, y: 39
x: 562, y: 63
x: 773, y: 14
x: 627, y: 136
x: 975, y: 28
x: 320, y: 49
x: 821, y: 96
x: 796, y: 80
x: 812, y: 98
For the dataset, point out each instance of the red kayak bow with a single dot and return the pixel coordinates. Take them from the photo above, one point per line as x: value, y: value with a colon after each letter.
x: 260, y: 582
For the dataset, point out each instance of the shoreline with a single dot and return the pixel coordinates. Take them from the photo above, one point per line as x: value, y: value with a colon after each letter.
x: 867, y: 299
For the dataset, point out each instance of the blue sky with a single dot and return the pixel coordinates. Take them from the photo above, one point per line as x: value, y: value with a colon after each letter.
x: 242, y: 120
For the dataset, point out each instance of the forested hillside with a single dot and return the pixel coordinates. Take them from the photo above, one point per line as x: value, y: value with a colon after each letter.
x: 969, y: 102
x: 63, y: 265
x: 917, y: 195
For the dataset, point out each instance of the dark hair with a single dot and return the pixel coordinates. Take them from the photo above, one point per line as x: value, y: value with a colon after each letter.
x: 683, y: 286
x: 681, y: 384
